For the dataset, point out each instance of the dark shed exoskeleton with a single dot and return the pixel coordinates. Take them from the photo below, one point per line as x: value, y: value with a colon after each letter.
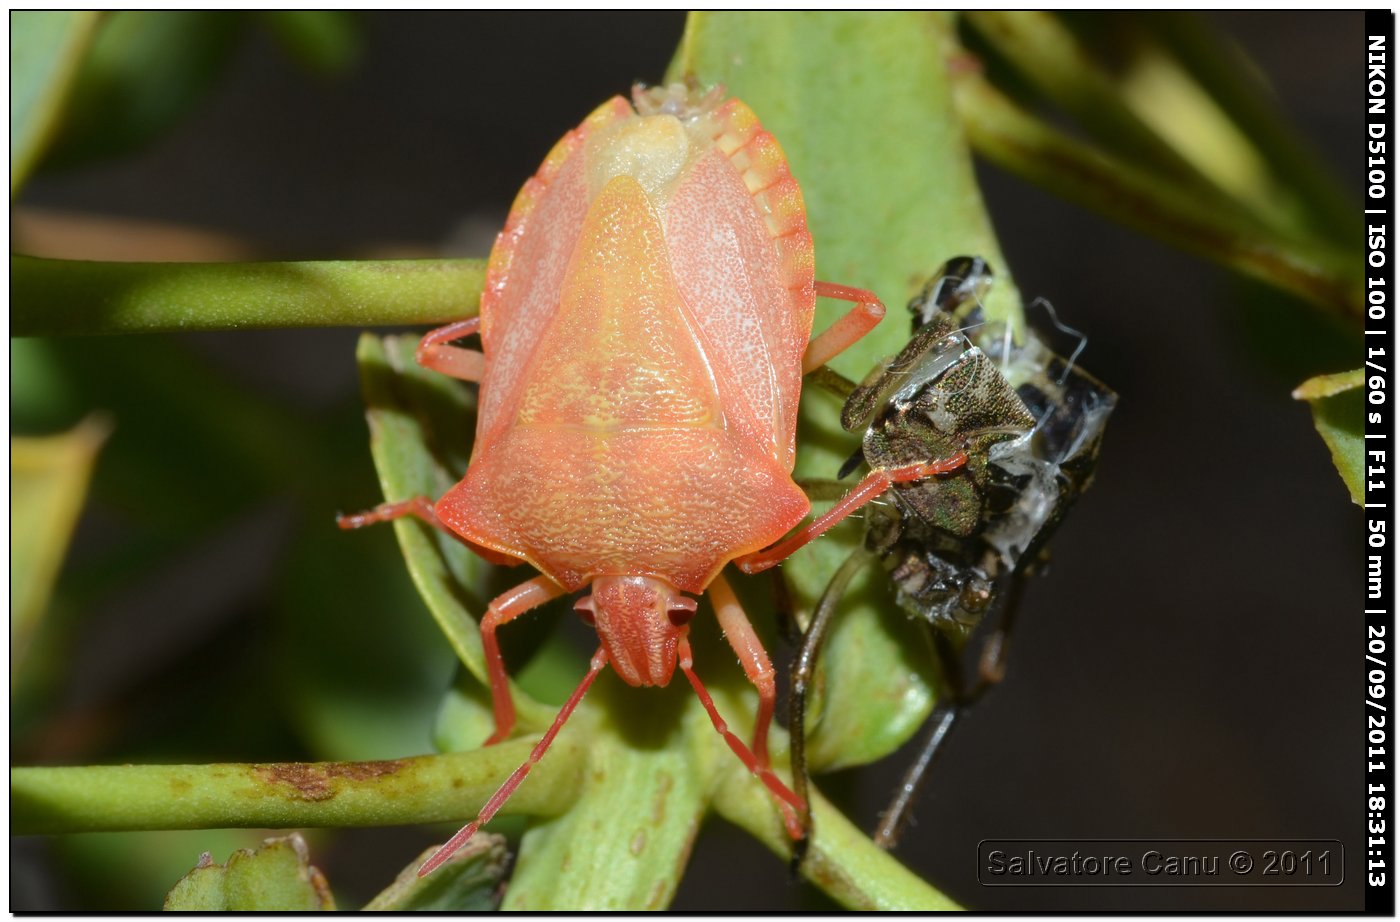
x: 958, y: 546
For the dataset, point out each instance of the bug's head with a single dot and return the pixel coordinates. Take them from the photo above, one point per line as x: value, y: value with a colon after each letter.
x: 639, y: 619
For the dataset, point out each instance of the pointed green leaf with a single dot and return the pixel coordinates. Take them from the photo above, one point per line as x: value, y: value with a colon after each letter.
x: 1339, y: 413
x: 469, y: 881
x: 48, y: 483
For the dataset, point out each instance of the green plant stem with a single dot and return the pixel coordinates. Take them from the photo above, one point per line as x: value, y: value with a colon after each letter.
x: 1030, y: 148
x: 55, y: 297
x: 423, y: 789
x: 842, y: 860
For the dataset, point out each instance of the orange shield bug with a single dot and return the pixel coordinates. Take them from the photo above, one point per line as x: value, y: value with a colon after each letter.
x: 957, y: 548
x: 644, y: 331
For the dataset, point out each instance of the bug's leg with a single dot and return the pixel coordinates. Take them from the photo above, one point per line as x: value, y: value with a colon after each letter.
x: 897, y: 813
x: 788, y: 801
x: 874, y: 484
x: 454, y: 361
x: 421, y: 508
x: 848, y: 328
x: 952, y: 704
x: 832, y: 381
x: 600, y: 659
x: 505, y: 607
x: 955, y: 701
x: 757, y: 666
x: 803, y: 670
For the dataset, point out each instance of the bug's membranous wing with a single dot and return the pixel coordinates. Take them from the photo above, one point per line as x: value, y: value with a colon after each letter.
x: 949, y: 542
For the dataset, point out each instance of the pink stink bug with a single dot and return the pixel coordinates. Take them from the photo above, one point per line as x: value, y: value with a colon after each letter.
x: 644, y: 332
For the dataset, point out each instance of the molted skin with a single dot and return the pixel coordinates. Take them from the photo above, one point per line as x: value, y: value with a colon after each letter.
x: 638, y: 406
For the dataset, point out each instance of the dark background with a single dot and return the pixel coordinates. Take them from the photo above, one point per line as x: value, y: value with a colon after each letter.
x: 1189, y: 668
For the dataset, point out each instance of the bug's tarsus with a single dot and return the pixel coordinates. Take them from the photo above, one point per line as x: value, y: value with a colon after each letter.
x: 956, y: 699
x: 419, y: 507
x: 892, y: 821
x: 600, y: 659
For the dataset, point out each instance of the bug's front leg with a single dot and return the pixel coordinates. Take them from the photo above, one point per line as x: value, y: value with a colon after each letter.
x: 503, y: 608
x: 757, y: 666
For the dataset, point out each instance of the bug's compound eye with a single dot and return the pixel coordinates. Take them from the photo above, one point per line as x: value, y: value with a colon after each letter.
x: 681, y: 610
x: 584, y: 607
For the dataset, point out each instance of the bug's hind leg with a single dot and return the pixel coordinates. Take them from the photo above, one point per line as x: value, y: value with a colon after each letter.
x: 454, y: 361
x: 847, y: 329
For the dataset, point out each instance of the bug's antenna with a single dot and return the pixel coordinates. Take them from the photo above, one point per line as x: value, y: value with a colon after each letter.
x: 790, y: 803
x: 1063, y: 328
x: 600, y: 659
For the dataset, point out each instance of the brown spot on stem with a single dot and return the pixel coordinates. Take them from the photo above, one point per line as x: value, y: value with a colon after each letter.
x: 316, y: 780
x: 664, y: 783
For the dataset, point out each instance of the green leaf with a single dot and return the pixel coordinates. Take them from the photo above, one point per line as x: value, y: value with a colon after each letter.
x: 653, y: 762
x: 278, y: 877
x: 326, y: 42
x: 145, y: 70
x: 887, y: 180
x: 59, y: 297
x: 48, y: 482
x: 46, y: 48
x: 466, y: 882
x: 1339, y: 413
